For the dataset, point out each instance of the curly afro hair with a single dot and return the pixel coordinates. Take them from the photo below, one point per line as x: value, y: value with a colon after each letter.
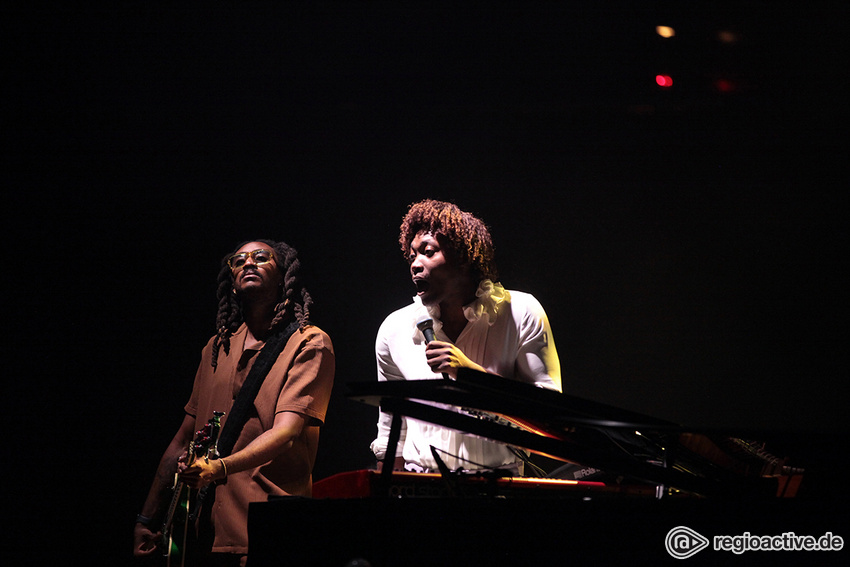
x: 467, y: 235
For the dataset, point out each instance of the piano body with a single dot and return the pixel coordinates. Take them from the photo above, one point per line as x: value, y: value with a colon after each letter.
x: 654, y: 476
x: 639, y: 449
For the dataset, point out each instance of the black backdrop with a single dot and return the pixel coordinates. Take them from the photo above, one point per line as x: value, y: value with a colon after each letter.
x: 688, y: 244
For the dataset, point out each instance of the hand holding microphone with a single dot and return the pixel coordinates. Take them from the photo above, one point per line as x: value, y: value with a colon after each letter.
x: 426, y: 325
x: 442, y: 356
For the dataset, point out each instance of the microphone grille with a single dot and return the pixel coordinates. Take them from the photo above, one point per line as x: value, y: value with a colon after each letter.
x: 425, y: 323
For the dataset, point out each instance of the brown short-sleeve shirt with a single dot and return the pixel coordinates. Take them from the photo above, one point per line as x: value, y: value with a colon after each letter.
x: 300, y: 381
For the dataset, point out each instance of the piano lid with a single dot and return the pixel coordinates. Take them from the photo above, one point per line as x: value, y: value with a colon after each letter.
x: 491, y: 393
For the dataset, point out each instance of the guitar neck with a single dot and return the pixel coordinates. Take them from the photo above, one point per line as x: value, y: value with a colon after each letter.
x: 177, y: 494
x: 172, y: 508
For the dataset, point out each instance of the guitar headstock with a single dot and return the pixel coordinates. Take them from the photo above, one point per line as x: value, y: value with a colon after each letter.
x: 204, y: 443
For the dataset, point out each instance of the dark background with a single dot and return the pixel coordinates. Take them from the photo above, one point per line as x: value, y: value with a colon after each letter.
x: 689, y: 244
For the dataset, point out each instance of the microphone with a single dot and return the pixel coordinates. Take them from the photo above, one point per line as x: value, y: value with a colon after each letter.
x: 426, y: 325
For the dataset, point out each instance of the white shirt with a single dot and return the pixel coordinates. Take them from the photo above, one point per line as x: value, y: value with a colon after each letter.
x: 508, y: 334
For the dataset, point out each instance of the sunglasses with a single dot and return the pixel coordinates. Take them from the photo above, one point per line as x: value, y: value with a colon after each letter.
x: 237, y: 261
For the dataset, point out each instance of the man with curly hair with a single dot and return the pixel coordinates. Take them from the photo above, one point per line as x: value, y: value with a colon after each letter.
x: 477, y: 323
x: 264, y: 338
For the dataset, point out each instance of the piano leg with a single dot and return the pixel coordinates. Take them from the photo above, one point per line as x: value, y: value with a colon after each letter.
x: 389, y: 457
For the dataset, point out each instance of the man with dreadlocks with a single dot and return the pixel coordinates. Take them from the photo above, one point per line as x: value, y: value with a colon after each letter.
x: 478, y: 324
x: 263, y: 330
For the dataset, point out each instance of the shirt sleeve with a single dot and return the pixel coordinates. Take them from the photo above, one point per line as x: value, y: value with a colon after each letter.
x: 309, y: 379
x: 387, y: 370
x: 537, y: 358
x: 192, y: 405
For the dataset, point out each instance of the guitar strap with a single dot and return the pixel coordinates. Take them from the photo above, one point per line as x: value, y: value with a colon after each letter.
x: 245, y: 400
x: 251, y: 387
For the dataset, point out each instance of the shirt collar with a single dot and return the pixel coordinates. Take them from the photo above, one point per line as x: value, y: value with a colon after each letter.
x: 490, y: 298
x: 249, y: 342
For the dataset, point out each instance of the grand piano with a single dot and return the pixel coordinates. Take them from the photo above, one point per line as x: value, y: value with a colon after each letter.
x: 623, y: 481
x: 593, y: 436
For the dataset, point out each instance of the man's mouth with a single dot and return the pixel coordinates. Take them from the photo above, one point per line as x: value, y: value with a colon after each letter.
x: 421, y: 285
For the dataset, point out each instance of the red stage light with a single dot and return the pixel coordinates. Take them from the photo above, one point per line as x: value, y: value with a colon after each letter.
x: 665, y: 81
x: 724, y: 85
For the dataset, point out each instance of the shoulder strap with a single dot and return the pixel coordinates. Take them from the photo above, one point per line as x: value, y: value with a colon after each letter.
x: 245, y: 399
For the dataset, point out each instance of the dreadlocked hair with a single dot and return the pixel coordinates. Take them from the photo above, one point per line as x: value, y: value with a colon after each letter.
x: 467, y: 235
x: 295, y: 300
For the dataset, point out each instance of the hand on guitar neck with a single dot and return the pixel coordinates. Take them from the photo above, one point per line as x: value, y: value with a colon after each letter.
x: 200, y: 472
